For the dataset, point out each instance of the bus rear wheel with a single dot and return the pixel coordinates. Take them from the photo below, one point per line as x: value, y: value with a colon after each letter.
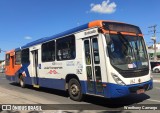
x: 21, y: 81
x: 74, y: 90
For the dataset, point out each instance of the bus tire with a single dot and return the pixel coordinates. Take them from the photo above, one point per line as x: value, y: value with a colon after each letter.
x: 21, y: 81
x: 74, y: 89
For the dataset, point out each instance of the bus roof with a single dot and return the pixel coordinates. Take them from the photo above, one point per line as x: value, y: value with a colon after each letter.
x: 97, y: 23
x: 8, y: 52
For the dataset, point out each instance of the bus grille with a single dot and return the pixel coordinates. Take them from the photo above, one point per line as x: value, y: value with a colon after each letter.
x: 129, y: 74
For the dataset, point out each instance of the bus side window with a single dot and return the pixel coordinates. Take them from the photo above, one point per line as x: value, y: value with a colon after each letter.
x: 87, y: 52
x: 17, y: 57
x: 25, y: 56
x: 96, y: 51
x: 59, y: 55
x: 7, y: 59
x: 66, y: 48
x: 48, y: 51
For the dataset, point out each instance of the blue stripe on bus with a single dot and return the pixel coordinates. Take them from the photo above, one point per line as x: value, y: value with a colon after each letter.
x: 47, y: 82
x: 24, y: 68
x: 15, y: 77
x: 10, y: 78
x: 110, y: 91
x: 115, y: 90
x: 43, y: 82
x: 17, y: 49
x: 52, y: 83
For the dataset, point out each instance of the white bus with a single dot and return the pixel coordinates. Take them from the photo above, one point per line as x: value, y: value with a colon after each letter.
x: 101, y: 58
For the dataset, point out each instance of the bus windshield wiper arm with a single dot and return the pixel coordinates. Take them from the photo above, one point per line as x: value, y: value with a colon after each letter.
x: 122, y: 37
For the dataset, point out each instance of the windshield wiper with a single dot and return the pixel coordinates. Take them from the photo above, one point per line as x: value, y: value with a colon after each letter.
x: 125, y: 40
x: 127, y: 44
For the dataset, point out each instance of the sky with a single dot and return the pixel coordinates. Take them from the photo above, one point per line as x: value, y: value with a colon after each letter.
x: 23, y: 21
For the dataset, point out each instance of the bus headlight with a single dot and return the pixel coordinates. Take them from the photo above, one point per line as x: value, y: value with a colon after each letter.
x: 118, y: 80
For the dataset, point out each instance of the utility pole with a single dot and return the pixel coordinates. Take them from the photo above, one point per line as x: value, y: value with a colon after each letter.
x: 154, y: 39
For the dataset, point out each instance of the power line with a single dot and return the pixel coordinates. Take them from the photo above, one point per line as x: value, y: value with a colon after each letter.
x: 151, y: 33
x: 154, y: 29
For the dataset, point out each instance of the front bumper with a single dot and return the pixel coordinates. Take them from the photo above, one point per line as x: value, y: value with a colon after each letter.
x: 115, y: 90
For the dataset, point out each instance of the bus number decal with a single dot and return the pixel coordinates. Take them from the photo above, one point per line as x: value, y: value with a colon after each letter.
x: 79, y: 65
x: 79, y: 71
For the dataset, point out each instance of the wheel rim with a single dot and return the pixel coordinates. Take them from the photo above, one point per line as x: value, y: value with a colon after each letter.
x: 74, y: 90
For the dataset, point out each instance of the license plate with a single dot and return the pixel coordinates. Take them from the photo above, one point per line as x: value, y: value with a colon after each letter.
x: 140, y: 91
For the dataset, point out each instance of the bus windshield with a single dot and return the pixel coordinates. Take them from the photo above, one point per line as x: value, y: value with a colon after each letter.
x: 127, y: 52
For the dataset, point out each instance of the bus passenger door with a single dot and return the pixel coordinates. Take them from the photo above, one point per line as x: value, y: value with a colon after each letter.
x: 35, y: 80
x: 93, y: 68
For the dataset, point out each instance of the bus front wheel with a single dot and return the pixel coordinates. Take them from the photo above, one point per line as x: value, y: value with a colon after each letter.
x: 74, y: 90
